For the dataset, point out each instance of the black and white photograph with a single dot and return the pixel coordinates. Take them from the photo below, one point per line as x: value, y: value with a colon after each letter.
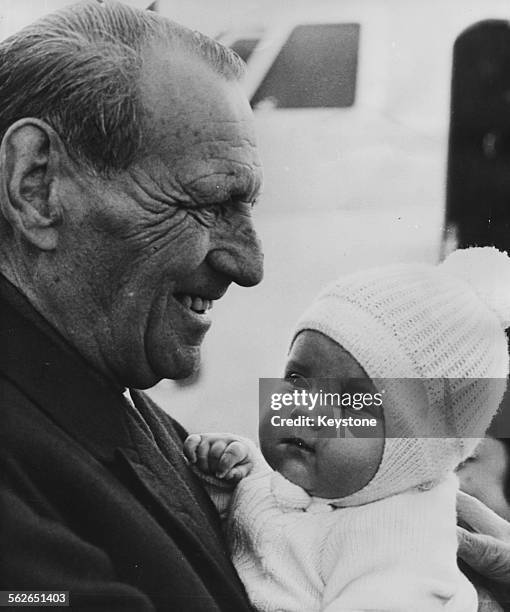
x: 255, y: 305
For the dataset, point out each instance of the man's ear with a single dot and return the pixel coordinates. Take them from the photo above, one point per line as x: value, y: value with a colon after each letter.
x: 30, y: 153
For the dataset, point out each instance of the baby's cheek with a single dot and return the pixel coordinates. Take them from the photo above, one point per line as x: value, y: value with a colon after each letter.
x: 289, y: 463
x: 371, y: 453
x: 298, y: 472
x: 349, y: 464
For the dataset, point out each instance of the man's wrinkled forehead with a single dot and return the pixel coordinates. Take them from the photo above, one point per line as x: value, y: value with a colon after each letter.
x: 201, y: 125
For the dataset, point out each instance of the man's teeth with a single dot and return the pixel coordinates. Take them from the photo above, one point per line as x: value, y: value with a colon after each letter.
x: 195, y: 303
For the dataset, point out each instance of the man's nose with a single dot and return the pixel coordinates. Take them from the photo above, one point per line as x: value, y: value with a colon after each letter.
x: 236, y: 252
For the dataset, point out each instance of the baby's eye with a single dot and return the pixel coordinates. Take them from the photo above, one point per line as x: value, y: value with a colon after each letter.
x: 466, y: 461
x: 297, y: 381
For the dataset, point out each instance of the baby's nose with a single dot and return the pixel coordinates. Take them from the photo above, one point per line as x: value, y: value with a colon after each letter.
x: 298, y: 411
x: 312, y: 421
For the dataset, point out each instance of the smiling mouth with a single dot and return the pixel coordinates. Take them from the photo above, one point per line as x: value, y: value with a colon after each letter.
x: 298, y: 443
x: 198, y: 304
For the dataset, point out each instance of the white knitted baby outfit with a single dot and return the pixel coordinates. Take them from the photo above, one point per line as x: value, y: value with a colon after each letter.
x: 391, y: 545
x: 297, y: 553
x: 441, y: 325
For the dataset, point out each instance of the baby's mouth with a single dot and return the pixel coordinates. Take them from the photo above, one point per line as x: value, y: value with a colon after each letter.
x: 298, y: 443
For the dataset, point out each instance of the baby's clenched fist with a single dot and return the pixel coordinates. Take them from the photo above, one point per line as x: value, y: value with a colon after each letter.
x: 220, y: 455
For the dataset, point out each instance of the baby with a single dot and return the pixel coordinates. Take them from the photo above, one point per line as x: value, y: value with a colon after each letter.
x: 317, y: 521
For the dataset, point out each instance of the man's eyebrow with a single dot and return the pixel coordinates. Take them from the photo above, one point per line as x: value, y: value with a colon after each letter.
x: 244, y: 188
x: 203, y: 190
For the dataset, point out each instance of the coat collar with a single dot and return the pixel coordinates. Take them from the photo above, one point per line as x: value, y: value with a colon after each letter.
x: 39, y: 361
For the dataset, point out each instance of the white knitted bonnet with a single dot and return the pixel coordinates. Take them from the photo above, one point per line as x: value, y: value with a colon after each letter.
x: 418, y: 321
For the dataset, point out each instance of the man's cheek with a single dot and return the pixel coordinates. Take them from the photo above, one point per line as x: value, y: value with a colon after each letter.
x: 180, y: 247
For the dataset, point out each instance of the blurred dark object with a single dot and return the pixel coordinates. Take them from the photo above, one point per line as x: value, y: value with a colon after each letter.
x: 478, y: 187
x: 316, y: 67
x: 506, y: 443
x: 500, y: 426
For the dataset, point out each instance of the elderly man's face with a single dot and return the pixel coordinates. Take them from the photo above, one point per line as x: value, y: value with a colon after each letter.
x: 163, y: 240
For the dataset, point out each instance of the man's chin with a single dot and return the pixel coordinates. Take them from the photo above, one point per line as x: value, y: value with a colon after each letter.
x: 178, y: 365
x: 187, y: 371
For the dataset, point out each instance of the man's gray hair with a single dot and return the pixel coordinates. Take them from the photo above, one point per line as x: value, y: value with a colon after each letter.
x: 77, y: 69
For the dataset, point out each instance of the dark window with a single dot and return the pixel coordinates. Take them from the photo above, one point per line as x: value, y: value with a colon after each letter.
x: 478, y: 192
x: 244, y: 47
x: 315, y: 68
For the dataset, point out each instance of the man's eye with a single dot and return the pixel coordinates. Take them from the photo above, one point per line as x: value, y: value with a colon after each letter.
x: 240, y: 204
x: 218, y: 208
x: 207, y: 215
x: 229, y: 206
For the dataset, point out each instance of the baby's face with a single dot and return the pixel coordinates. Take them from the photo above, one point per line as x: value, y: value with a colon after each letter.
x: 329, y: 467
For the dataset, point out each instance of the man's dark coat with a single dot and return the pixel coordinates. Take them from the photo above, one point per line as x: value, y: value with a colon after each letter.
x: 96, y: 498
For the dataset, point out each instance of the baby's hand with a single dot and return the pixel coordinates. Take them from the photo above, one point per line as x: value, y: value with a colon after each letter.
x: 222, y: 455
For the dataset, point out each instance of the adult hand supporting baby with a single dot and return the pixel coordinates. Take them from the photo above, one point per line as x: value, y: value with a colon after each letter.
x: 487, y: 548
